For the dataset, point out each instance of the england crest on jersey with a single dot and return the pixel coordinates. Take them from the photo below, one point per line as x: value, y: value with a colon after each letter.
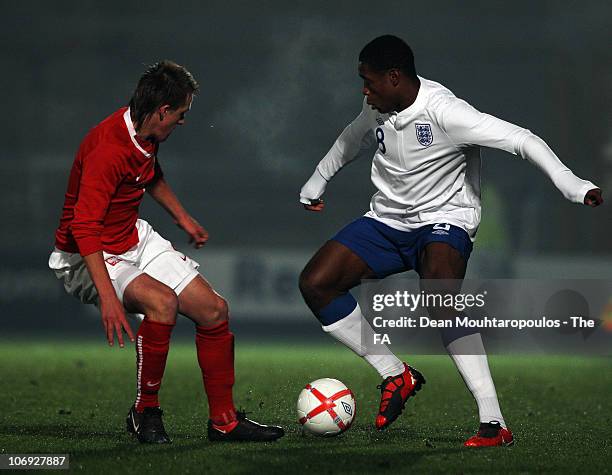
x: 424, y: 134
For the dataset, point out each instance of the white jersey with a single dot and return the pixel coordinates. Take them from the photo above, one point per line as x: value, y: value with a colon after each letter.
x: 427, y: 164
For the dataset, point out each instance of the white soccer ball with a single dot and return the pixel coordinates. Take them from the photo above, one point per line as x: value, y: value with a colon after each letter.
x: 326, y: 407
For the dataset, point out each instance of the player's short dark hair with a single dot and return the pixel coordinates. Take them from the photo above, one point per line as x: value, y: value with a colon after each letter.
x: 162, y: 83
x: 389, y: 52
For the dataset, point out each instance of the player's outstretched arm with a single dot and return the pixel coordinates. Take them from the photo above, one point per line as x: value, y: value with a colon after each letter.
x: 466, y: 125
x: 163, y: 194
x: 111, y: 309
x: 575, y: 189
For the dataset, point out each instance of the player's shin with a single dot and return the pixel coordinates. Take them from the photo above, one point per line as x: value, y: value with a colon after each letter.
x: 215, y: 348
x: 470, y: 357
x: 152, y: 345
x: 342, y: 319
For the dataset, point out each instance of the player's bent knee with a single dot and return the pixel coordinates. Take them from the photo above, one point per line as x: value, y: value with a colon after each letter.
x: 439, y: 269
x: 439, y: 272
x: 165, y: 306
x: 311, y: 286
x: 219, y: 312
x: 303, y: 284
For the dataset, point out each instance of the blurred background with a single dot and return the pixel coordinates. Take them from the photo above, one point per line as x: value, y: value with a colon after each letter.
x: 278, y: 84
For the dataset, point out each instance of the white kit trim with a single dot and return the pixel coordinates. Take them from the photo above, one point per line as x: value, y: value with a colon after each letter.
x: 130, y: 126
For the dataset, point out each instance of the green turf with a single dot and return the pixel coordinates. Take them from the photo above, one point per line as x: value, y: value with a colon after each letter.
x: 69, y: 398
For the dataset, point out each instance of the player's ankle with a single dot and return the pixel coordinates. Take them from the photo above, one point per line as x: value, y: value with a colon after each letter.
x: 225, y: 428
x: 224, y: 419
x: 140, y: 407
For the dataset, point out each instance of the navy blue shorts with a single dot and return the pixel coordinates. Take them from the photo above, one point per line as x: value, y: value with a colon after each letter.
x: 389, y: 251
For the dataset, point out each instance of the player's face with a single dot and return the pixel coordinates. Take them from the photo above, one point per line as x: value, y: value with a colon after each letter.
x: 378, y: 89
x: 170, y: 118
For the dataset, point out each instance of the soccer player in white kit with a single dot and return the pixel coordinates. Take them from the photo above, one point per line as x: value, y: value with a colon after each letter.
x: 424, y: 215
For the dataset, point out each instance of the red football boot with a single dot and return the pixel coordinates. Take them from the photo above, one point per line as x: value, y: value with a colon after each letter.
x: 395, y: 391
x: 491, y: 434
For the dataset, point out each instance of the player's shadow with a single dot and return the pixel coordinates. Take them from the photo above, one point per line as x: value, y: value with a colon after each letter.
x: 447, y: 439
x: 59, y: 431
x: 393, y: 448
x: 117, y: 440
x: 356, y: 458
x: 395, y: 434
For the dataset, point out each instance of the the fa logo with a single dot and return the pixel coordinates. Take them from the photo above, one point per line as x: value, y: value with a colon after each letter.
x: 424, y: 134
x: 380, y: 120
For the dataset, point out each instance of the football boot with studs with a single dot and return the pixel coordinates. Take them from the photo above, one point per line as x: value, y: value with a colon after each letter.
x: 395, y: 391
x: 147, y: 426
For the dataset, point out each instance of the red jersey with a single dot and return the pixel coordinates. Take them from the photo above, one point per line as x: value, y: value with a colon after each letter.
x: 106, y: 185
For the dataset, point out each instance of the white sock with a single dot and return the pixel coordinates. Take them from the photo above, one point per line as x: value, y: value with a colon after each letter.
x: 469, y: 355
x: 349, y: 331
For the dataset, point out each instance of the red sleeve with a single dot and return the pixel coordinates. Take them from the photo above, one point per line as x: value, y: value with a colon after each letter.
x: 101, y: 175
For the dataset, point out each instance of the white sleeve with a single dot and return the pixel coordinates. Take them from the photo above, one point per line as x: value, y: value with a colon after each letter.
x: 465, y: 125
x: 537, y: 152
x: 356, y: 136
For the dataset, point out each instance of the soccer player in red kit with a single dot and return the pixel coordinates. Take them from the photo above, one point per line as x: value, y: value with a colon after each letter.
x: 106, y: 255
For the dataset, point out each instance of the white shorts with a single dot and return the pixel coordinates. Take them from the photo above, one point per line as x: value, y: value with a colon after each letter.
x: 153, y: 255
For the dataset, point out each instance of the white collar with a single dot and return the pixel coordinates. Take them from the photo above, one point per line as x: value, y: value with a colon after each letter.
x: 130, y: 126
x: 404, y: 117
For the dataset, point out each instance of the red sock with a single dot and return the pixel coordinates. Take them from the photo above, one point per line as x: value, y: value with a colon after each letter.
x: 152, y: 344
x: 215, y: 348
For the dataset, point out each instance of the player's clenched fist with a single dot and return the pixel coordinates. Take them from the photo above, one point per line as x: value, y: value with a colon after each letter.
x: 315, y: 205
x: 593, y: 198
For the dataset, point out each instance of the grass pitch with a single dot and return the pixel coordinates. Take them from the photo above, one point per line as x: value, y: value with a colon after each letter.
x: 73, y: 398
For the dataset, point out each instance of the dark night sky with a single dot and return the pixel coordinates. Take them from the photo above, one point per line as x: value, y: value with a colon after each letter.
x: 279, y: 83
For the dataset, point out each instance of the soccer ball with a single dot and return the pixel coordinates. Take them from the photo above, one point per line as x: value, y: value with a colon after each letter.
x: 326, y: 407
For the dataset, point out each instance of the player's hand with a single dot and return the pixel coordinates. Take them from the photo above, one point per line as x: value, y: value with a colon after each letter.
x: 315, y: 205
x: 198, y: 236
x: 113, y: 318
x: 593, y: 198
